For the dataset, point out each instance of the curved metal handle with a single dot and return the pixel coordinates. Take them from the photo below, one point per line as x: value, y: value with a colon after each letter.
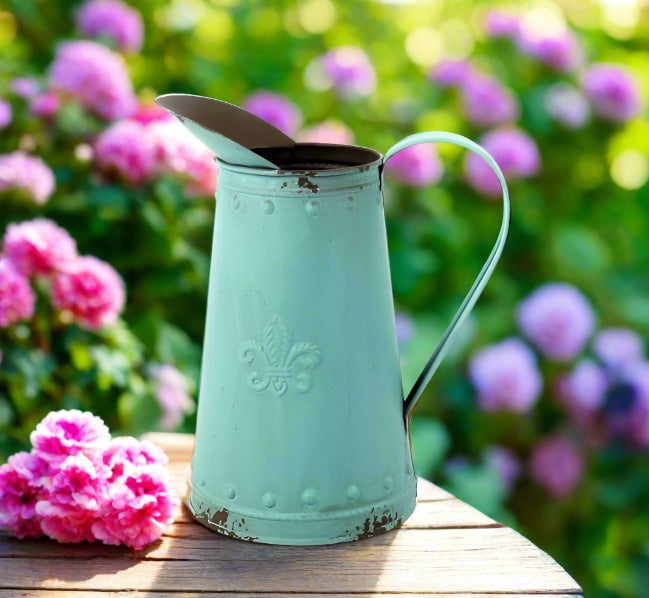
x: 485, y: 273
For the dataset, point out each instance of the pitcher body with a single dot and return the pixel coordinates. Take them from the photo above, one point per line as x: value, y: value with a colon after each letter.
x: 301, y: 436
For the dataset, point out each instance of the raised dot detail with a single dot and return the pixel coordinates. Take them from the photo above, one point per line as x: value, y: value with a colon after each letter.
x: 268, y: 207
x: 388, y: 482
x: 236, y: 203
x: 269, y: 500
x: 309, y: 497
x: 350, y: 202
x: 229, y: 491
x: 353, y: 493
x: 313, y: 207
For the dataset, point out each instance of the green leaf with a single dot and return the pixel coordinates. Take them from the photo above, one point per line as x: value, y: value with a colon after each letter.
x: 430, y: 442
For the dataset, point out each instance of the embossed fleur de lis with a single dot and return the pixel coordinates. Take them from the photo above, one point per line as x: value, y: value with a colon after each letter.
x: 277, y: 361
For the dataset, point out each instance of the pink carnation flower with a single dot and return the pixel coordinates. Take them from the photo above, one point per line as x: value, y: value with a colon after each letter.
x: 416, y: 165
x: 139, y: 505
x: 556, y: 464
x: 126, y: 149
x: 20, y: 491
x: 95, y: 76
x: 171, y: 391
x: 114, y: 20
x: 17, y: 298
x: 328, y: 131
x: 75, y: 495
x: 178, y: 152
x: 150, y: 112
x: 29, y: 174
x: 127, y: 449
x: 91, y: 290
x: 38, y: 246
x: 69, y: 433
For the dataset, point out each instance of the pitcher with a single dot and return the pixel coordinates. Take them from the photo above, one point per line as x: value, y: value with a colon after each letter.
x: 302, y: 433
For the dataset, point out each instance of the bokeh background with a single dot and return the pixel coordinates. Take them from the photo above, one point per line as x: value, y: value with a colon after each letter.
x: 540, y: 415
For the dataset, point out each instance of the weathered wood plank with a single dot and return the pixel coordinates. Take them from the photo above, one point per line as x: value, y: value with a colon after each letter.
x: 445, y: 547
x: 471, y: 560
x: 42, y: 593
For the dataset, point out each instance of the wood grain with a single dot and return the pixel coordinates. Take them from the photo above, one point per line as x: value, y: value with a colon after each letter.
x: 446, y: 547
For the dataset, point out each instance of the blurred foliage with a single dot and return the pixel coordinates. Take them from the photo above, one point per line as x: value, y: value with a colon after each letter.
x: 572, y: 222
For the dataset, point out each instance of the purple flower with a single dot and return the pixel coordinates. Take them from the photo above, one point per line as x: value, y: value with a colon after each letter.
x: 505, y: 376
x: 567, y: 105
x: 558, y: 320
x: 451, y: 73
x: 171, y: 391
x: 95, y: 76
x: 560, y: 51
x: 618, y: 347
x: 613, y: 93
x: 582, y: 391
x: 126, y: 148
x: 349, y: 70
x: 501, y: 24
x: 21, y: 172
x: 45, y: 105
x: 487, y: 103
x: 557, y: 465
x: 6, y: 114
x: 114, y: 20
x: 328, y: 131
x: 404, y: 326
x: 516, y: 154
x: 17, y: 298
x: 636, y: 420
x: 24, y: 87
x: 416, y: 165
x: 275, y: 109
x: 505, y: 462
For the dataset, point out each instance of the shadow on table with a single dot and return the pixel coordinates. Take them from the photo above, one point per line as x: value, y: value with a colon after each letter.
x: 200, y: 560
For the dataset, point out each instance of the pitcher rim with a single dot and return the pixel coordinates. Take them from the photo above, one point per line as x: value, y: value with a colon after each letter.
x: 376, y: 162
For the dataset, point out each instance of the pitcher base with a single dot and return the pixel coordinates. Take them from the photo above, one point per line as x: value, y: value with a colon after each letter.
x: 304, y: 529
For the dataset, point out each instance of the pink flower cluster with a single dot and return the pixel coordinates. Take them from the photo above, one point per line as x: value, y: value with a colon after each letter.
x: 112, y: 19
x: 138, y: 149
x: 556, y: 47
x: 26, y: 174
x: 349, y: 71
x: 95, y: 77
x: 84, y: 287
x: 417, y: 165
x: 77, y: 484
x: 486, y: 102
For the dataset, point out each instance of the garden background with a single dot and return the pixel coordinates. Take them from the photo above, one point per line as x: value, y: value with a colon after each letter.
x: 540, y: 416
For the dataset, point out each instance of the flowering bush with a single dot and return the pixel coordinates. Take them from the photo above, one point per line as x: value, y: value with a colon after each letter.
x: 539, y: 414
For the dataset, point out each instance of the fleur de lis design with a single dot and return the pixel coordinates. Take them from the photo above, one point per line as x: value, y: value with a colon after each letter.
x: 277, y: 361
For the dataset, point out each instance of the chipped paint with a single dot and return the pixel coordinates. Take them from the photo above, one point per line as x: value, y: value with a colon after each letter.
x: 306, y: 182
x: 375, y: 525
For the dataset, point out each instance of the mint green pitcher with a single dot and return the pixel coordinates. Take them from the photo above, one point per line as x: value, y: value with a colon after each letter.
x: 302, y: 433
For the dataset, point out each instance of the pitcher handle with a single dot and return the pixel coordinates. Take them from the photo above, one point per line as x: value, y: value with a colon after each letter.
x: 487, y: 269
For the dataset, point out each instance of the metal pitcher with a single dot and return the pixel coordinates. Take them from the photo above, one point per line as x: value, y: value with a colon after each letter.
x: 302, y: 433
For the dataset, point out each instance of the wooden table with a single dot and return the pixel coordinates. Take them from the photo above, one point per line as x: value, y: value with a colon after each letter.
x: 446, y: 548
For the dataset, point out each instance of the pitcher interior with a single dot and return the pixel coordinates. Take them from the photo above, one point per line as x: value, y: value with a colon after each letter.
x: 319, y: 156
